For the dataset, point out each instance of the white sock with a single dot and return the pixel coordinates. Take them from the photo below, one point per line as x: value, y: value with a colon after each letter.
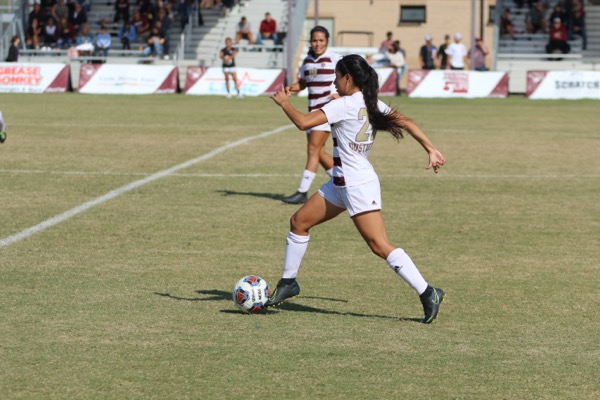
x: 294, y: 252
x: 330, y: 172
x: 307, y: 179
x: 401, y: 263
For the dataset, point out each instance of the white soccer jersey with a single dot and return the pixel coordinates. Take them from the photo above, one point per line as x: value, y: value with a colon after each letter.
x: 319, y: 74
x: 352, y: 139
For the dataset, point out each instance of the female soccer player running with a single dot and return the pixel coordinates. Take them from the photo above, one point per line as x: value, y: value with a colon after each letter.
x: 355, y: 118
x: 316, y: 74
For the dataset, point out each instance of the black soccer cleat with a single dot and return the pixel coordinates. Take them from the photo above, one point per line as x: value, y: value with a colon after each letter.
x: 431, y: 300
x: 296, y: 198
x: 282, y: 292
x: 2, y: 136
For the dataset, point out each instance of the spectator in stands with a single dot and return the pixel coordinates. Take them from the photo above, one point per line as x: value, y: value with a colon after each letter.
x: 397, y: 60
x: 66, y: 36
x: 442, y: 52
x: 578, y: 23
x: 457, y: 53
x: 165, y: 26
x: 185, y: 10
x: 155, y: 43
x: 478, y: 53
x: 127, y: 35
x: 84, y: 41
x: 227, y: 5
x: 244, y: 31
x: 560, y: 13
x: 144, y: 7
x: 50, y: 33
x: 60, y: 10
x: 558, y: 38
x: 77, y: 17
x: 227, y: 54
x: 506, y: 24
x: 520, y: 3
x: 37, y: 12
x: 142, y: 26
x: 428, y: 53
x: 386, y: 45
x: 13, y: 51
x: 267, y: 30
x: 34, y: 36
x: 103, y: 41
x: 121, y: 10
x: 535, y: 20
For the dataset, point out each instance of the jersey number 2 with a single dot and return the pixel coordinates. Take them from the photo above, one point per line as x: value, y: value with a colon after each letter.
x: 362, y: 135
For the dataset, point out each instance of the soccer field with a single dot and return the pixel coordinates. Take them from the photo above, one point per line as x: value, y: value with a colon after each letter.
x: 126, y: 220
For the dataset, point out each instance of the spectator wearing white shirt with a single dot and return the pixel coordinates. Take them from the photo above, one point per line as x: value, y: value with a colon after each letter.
x: 457, y: 53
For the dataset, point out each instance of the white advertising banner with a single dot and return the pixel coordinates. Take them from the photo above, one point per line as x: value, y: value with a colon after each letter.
x: 563, y: 85
x: 33, y: 78
x: 454, y: 83
x: 127, y: 79
x: 251, y: 81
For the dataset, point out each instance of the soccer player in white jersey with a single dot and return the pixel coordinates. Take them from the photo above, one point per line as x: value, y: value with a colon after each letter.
x: 2, y: 129
x: 317, y: 74
x: 355, y: 117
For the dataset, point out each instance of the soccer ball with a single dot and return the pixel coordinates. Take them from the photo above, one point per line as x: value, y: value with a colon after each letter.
x: 251, y: 293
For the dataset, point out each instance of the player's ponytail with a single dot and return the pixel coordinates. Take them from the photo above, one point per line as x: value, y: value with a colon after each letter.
x: 365, y: 78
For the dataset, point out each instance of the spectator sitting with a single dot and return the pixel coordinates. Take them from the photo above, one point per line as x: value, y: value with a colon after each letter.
x: 103, y: 41
x: 13, y: 50
x: 155, y: 43
x: 127, y: 35
x: 506, y: 25
x: 165, y: 26
x: 478, y: 52
x: 34, y: 35
x: 558, y: 38
x: 535, y: 18
x: 387, y: 44
x: 142, y: 26
x: 84, y: 41
x: 268, y: 29
x: 244, y: 31
x: 558, y: 12
x: 578, y: 23
x: 59, y: 11
x: 37, y: 12
x: 50, y: 33
x: 66, y: 36
x: 121, y: 10
x: 77, y: 17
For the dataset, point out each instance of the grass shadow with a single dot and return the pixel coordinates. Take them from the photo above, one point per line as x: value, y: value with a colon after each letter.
x: 253, y: 194
x: 210, y: 295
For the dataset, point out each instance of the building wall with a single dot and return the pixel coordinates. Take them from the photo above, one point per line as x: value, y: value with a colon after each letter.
x: 381, y: 16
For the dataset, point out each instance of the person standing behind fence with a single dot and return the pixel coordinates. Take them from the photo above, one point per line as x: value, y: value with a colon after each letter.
x: 479, y: 52
x: 428, y: 53
x: 227, y: 54
x: 457, y: 53
x: 441, y: 54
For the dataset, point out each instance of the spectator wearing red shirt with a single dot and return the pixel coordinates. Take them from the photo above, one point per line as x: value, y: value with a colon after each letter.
x: 267, y: 30
x: 558, y: 38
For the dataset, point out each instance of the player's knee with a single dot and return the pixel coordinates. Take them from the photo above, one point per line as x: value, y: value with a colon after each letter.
x: 296, y: 225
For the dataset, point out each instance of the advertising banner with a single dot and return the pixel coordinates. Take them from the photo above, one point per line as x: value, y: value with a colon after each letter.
x: 563, y: 85
x: 33, y: 78
x: 127, y: 79
x: 251, y: 81
x: 453, y: 83
x: 387, y: 82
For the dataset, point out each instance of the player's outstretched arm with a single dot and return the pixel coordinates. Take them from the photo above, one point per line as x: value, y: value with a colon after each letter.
x: 436, y: 159
x: 301, y: 120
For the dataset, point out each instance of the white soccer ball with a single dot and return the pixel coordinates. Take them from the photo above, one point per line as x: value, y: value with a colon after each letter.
x: 251, y: 293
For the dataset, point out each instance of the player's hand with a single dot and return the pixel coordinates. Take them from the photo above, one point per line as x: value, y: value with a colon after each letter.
x: 281, y: 96
x: 436, y: 160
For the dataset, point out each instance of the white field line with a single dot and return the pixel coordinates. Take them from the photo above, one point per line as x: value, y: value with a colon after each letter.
x: 133, y: 185
x: 443, y: 175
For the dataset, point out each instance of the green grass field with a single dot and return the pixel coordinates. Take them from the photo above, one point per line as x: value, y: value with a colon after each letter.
x: 131, y: 298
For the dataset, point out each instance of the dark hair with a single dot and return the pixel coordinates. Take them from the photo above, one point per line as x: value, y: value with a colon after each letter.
x: 365, y: 78
x: 321, y: 29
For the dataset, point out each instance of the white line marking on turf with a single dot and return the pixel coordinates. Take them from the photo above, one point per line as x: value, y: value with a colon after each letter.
x: 133, y: 185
